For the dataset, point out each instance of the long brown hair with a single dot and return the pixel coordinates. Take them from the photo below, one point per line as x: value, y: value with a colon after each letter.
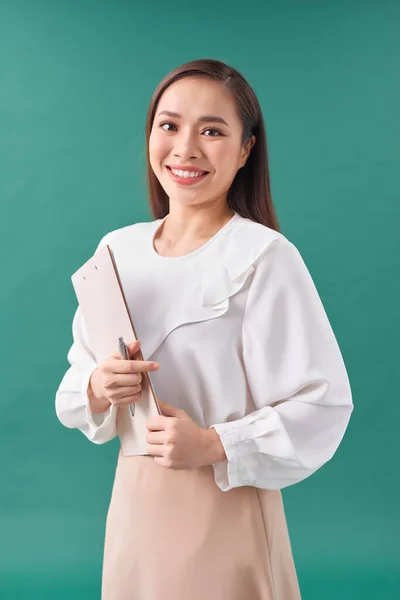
x: 249, y: 194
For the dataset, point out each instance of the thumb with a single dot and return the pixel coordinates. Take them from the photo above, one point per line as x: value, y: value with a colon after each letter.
x: 168, y: 410
x: 133, y: 348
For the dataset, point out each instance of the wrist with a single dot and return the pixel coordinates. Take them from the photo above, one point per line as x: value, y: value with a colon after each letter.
x: 215, y: 446
x: 97, y: 404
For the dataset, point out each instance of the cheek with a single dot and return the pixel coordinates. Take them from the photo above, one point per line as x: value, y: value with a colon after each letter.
x: 158, y: 148
x: 225, y: 161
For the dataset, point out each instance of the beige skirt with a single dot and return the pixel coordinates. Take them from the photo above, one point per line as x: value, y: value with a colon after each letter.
x: 174, y: 535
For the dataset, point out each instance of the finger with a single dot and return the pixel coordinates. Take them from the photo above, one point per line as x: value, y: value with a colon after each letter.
x: 163, y: 462
x: 168, y: 410
x: 155, y: 437
x: 155, y: 450
x: 126, y: 400
x: 124, y: 392
x: 135, y: 366
x: 131, y: 399
x: 133, y: 348
x: 114, y: 380
x: 157, y: 423
x: 125, y: 379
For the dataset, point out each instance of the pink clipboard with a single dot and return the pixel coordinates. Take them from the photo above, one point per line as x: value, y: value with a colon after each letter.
x: 106, y: 315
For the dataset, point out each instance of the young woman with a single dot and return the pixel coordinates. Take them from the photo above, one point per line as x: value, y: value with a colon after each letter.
x: 252, y: 385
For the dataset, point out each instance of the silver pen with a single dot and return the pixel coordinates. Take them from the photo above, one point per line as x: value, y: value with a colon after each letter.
x: 123, y: 350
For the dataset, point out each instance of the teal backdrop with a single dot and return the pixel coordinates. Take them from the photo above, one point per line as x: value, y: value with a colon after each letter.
x: 76, y: 79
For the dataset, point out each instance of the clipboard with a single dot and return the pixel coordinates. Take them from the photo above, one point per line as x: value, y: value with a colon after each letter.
x: 102, y: 302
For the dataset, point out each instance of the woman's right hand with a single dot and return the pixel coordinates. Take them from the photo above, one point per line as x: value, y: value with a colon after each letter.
x: 118, y: 381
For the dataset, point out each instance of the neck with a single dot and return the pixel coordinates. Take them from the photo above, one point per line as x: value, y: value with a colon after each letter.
x: 194, y: 224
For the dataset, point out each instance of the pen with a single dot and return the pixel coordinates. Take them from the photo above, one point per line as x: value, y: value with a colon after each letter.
x: 123, y: 350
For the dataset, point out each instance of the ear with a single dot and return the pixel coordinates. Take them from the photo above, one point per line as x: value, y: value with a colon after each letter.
x: 247, y: 146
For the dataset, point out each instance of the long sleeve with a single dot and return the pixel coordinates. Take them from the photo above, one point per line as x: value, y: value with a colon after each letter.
x: 71, y: 401
x: 297, y: 379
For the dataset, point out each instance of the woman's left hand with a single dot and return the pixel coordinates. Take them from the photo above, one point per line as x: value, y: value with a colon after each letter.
x: 177, y: 442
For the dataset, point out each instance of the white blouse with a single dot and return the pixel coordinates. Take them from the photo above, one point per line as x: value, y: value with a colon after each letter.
x: 244, y: 345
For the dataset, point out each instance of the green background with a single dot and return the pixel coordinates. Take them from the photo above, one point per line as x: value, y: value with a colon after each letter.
x: 76, y: 79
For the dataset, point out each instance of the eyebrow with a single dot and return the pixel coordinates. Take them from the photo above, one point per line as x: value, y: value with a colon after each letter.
x: 205, y: 118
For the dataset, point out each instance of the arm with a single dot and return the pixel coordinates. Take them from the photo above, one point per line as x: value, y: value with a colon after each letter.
x: 76, y: 406
x: 296, y: 376
x: 75, y: 403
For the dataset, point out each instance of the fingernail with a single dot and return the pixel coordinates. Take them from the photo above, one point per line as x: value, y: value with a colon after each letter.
x: 155, y: 365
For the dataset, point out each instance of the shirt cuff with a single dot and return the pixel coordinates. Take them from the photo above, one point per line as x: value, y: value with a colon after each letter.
x: 100, y: 424
x: 229, y: 473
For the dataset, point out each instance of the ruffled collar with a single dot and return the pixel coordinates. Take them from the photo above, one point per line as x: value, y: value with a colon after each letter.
x: 233, y: 260
x: 220, y: 269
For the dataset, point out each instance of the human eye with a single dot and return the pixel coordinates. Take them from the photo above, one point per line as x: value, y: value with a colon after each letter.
x: 167, y: 123
x: 215, y: 130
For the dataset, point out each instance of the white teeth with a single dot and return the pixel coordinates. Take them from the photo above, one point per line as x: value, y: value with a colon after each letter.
x: 187, y: 173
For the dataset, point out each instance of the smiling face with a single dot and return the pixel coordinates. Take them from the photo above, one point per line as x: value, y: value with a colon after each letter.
x: 202, y: 135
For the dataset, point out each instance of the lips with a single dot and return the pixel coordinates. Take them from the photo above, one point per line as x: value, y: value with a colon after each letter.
x: 187, y: 180
x: 178, y: 167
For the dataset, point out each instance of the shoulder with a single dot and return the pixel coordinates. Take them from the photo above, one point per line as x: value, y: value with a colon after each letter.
x: 245, y: 247
x: 256, y: 236
x: 278, y: 264
x: 250, y: 243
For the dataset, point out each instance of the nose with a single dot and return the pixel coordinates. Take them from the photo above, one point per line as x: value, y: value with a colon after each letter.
x: 186, y: 145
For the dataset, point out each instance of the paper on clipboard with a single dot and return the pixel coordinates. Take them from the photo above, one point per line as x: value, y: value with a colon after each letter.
x: 105, y: 311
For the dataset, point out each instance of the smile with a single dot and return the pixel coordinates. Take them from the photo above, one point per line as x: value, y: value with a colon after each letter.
x: 186, y: 177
